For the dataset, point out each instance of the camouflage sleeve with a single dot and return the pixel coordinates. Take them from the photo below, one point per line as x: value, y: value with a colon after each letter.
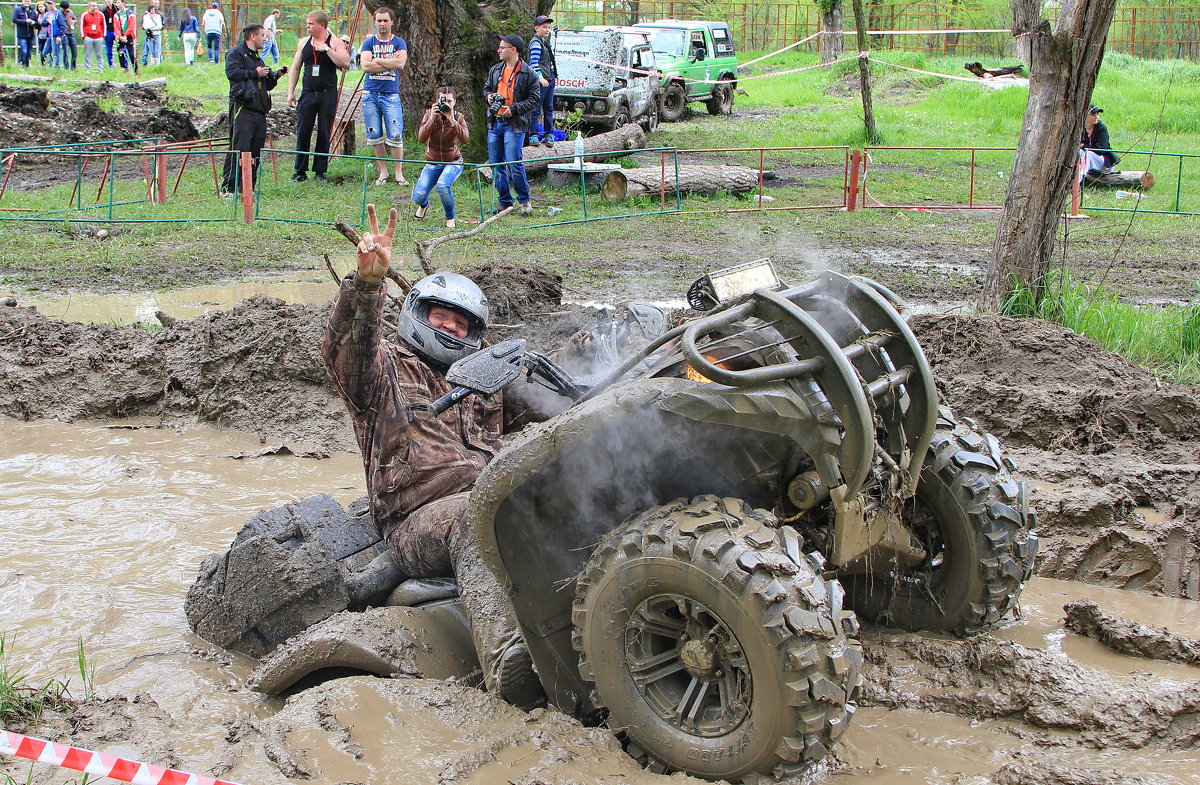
x: 352, y: 348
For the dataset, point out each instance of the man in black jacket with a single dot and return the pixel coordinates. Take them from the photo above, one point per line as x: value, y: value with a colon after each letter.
x: 511, y: 92
x: 250, y: 83
x: 1095, y: 144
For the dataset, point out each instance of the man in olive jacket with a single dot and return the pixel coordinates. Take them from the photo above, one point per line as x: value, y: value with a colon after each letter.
x: 250, y: 83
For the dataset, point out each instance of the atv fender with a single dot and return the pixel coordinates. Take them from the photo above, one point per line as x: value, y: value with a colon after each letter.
x: 430, y: 642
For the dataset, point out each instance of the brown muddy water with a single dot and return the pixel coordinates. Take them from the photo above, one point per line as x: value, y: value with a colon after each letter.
x: 102, y: 528
x: 139, y: 307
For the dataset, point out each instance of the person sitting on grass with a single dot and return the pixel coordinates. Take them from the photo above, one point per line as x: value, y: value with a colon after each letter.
x: 442, y: 129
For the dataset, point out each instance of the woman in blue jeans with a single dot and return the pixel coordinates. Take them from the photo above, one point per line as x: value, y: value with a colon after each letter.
x: 442, y: 130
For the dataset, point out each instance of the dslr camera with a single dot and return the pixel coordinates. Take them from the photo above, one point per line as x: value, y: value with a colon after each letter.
x: 495, y: 101
x: 443, y: 106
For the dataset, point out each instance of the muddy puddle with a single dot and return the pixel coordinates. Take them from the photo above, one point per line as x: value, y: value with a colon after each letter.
x: 138, y: 308
x: 101, y: 530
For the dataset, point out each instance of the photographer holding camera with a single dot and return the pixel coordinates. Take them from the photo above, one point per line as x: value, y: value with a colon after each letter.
x: 512, y: 92
x: 443, y: 130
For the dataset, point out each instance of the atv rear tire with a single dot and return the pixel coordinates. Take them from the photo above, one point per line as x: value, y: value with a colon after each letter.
x: 973, y: 518
x: 674, y: 102
x: 714, y: 643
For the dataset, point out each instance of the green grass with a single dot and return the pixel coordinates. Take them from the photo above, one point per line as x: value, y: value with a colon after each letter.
x: 21, y: 702
x: 1165, y: 339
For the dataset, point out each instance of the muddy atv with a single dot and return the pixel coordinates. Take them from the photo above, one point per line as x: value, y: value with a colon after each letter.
x: 688, y: 545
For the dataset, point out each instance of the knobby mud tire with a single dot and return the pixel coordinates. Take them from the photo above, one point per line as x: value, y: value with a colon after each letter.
x: 721, y: 101
x: 674, y: 102
x: 622, y: 117
x: 977, y: 518
x: 786, y: 649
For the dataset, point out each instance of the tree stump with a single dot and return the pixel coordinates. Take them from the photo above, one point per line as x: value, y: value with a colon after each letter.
x: 693, y: 179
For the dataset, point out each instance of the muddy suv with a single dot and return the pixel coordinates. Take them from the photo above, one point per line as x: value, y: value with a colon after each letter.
x: 698, y: 62
x: 689, y: 547
x: 608, y: 74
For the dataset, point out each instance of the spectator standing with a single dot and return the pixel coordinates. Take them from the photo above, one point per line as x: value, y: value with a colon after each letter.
x: 250, y: 86
x: 189, y: 33
x: 91, y: 26
x: 152, y: 26
x: 125, y: 28
x: 70, y: 53
x: 109, y: 10
x: 442, y: 129
x: 45, y: 40
x: 512, y: 92
x: 383, y: 56
x: 271, y: 25
x: 52, y: 20
x: 213, y: 22
x: 541, y: 60
x: 319, y: 54
x: 24, y: 18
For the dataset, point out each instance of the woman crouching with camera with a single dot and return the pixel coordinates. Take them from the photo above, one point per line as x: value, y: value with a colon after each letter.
x: 442, y: 130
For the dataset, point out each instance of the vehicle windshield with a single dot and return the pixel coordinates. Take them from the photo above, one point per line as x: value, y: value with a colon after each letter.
x: 668, y: 42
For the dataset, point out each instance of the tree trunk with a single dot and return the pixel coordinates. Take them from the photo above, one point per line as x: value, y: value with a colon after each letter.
x: 693, y: 179
x: 833, y: 43
x: 1062, y: 70
x: 452, y: 42
x: 864, y: 74
x: 612, y: 144
x: 1142, y: 181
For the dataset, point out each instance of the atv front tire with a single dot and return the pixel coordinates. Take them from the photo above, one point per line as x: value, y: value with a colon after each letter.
x: 974, y: 521
x: 714, y: 643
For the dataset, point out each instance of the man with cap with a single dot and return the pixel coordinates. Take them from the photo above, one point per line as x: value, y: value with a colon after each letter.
x: 512, y: 92
x: 541, y: 60
x: 214, y: 26
x: 1094, y: 146
x: 421, y: 468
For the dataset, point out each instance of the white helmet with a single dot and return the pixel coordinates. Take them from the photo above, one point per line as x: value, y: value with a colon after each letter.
x: 449, y: 290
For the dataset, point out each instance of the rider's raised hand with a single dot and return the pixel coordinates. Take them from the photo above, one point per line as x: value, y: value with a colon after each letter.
x: 375, y: 249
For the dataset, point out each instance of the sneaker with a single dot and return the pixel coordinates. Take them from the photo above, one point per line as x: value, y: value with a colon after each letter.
x: 526, y: 209
x: 226, y: 195
x: 548, y: 142
x: 320, y: 177
x: 518, y: 682
x: 498, y: 209
x: 299, y: 177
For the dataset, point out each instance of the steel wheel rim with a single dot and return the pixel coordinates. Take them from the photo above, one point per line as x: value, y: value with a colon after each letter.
x: 663, y: 632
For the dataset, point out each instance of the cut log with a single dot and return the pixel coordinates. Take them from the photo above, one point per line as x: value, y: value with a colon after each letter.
x: 612, y: 144
x: 1141, y: 181
x: 693, y: 179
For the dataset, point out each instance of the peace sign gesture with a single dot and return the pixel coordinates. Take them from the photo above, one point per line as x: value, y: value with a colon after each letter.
x: 375, y: 249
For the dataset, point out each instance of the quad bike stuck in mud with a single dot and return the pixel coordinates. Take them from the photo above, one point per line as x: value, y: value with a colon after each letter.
x: 689, y: 546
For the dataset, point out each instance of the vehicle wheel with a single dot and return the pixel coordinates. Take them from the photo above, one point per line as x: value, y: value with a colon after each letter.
x: 721, y: 101
x: 622, y: 117
x: 973, y: 518
x: 674, y: 101
x: 649, y: 121
x: 714, y: 643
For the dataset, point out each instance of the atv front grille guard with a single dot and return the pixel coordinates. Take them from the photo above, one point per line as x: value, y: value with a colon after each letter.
x: 849, y: 352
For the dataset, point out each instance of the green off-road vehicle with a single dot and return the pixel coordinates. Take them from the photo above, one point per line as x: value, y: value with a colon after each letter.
x: 698, y: 63
x: 689, y: 546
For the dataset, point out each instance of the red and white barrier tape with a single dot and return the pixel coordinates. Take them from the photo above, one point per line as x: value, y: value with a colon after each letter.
x: 929, y: 73
x: 707, y: 81
x: 97, y: 763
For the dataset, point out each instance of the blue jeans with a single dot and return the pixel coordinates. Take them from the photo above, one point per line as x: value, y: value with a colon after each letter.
x: 384, y: 118
x: 213, y: 41
x: 109, y: 38
x: 271, y: 48
x: 24, y: 48
x: 505, y: 146
x: 441, y: 176
x: 152, y: 49
x: 546, y: 110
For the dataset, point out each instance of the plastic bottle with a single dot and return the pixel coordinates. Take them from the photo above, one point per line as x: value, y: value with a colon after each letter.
x: 1127, y: 195
x: 579, y: 149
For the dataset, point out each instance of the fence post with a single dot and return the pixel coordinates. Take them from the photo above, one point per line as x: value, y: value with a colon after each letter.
x: 852, y: 190
x: 247, y: 187
x: 160, y: 174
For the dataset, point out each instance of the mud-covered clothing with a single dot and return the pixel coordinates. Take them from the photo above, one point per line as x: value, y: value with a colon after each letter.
x: 410, y: 459
x: 442, y: 136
